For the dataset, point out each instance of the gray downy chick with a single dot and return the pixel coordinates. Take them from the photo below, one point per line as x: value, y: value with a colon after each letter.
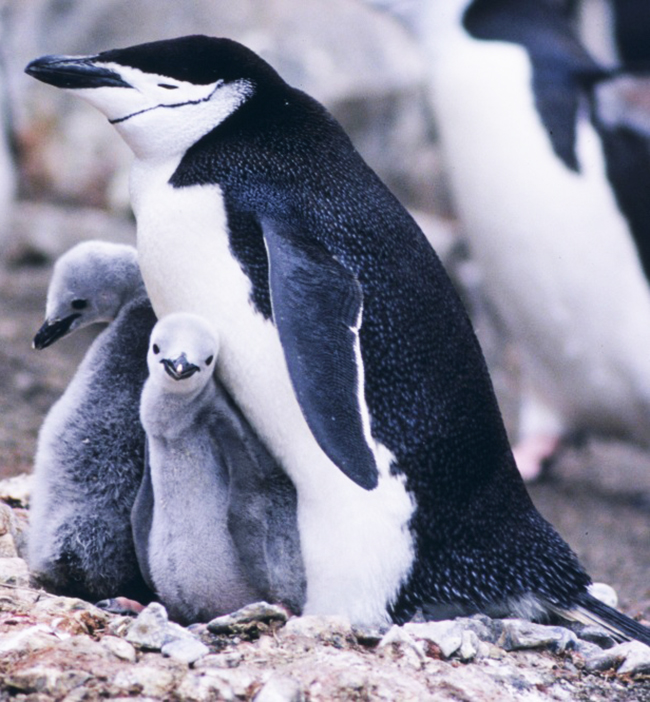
x: 90, y: 453
x: 215, y: 519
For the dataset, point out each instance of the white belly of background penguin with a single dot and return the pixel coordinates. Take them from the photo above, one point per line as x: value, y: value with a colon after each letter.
x: 554, y: 204
x: 90, y: 452
x: 344, y: 342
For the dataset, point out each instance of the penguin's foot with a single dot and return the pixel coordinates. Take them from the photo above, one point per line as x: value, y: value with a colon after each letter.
x: 120, y: 605
x: 532, y: 452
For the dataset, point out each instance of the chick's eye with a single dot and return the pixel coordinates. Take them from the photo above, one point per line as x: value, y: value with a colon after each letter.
x: 79, y: 304
x: 167, y: 86
x: 209, y: 360
x: 155, y: 348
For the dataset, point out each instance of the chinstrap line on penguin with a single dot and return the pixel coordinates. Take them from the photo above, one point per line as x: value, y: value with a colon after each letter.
x: 342, y: 339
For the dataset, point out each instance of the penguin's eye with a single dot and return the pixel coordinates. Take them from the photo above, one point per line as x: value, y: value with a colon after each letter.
x: 167, y: 86
x: 79, y: 304
x: 209, y: 360
x: 155, y: 348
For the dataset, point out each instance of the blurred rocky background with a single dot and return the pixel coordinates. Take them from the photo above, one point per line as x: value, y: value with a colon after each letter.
x: 63, y: 178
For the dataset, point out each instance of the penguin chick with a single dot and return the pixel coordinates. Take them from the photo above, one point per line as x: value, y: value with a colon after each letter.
x: 214, y: 521
x: 90, y: 452
x: 342, y: 339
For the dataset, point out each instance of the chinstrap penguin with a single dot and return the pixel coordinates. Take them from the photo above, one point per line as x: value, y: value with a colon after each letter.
x: 550, y: 173
x: 90, y: 452
x: 215, y: 519
x: 342, y: 339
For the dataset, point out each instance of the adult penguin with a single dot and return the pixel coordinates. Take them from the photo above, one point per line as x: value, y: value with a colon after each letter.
x: 548, y: 162
x: 343, y: 340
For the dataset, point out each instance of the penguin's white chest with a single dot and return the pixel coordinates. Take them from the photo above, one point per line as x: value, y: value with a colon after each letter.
x: 555, y: 251
x: 356, y: 544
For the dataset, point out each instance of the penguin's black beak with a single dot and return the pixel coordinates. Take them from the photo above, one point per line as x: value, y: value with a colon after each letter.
x: 53, y: 331
x: 179, y: 368
x: 74, y: 72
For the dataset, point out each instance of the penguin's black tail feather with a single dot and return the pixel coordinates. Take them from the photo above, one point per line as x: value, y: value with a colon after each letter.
x: 592, y: 611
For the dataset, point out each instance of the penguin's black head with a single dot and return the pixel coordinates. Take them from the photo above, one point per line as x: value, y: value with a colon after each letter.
x: 165, y: 95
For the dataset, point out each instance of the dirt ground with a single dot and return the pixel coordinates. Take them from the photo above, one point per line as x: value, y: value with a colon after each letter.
x: 597, y: 494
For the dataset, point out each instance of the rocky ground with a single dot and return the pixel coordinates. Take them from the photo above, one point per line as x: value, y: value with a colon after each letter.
x: 58, y: 648
x: 52, y: 648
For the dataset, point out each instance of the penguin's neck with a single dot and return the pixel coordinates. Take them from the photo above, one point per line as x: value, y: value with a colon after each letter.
x: 169, y: 415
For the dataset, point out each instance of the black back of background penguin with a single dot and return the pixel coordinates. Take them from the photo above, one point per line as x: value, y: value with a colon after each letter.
x: 382, y: 358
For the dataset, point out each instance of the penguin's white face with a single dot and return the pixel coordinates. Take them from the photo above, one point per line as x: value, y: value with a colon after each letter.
x: 90, y: 283
x: 162, y: 97
x: 182, y: 353
x: 159, y: 116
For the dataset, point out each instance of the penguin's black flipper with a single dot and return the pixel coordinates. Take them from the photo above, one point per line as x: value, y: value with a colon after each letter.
x: 317, y: 306
x: 594, y: 612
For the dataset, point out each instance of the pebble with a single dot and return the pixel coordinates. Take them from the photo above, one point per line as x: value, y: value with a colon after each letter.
x: 605, y: 593
x: 631, y: 657
x: 248, y: 618
x: 280, y: 689
x: 147, y: 680
x: 185, y: 650
x: 399, y: 636
x: 446, y: 634
x: 324, y: 629
x: 14, y: 572
x: 119, y: 648
x: 52, y: 682
x: 7, y: 544
x: 29, y: 640
x: 519, y: 634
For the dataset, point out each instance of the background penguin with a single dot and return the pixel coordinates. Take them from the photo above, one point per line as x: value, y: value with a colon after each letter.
x: 90, y: 453
x: 342, y: 341
x: 204, y: 547
x: 553, y: 197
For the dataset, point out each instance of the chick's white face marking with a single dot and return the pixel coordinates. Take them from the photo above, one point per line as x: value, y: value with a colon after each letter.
x: 161, y: 116
x: 176, y: 341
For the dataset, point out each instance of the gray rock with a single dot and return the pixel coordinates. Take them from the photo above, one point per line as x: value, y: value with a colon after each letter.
x: 14, y: 572
x: 228, y: 659
x: 631, y: 657
x: 249, y: 618
x: 605, y: 593
x: 150, y: 628
x: 49, y: 681
x: 520, y: 634
x: 593, y: 635
x: 119, y: 648
x: 185, y: 650
x: 16, y: 490
x: 213, y: 684
x: 147, y: 680
x: 29, y: 640
x: 280, y: 689
x: 398, y: 636
x: 7, y: 527
x: 447, y: 635
x: 322, y: 628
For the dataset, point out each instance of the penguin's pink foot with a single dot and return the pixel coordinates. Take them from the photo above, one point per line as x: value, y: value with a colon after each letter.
x: 531, y: 453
